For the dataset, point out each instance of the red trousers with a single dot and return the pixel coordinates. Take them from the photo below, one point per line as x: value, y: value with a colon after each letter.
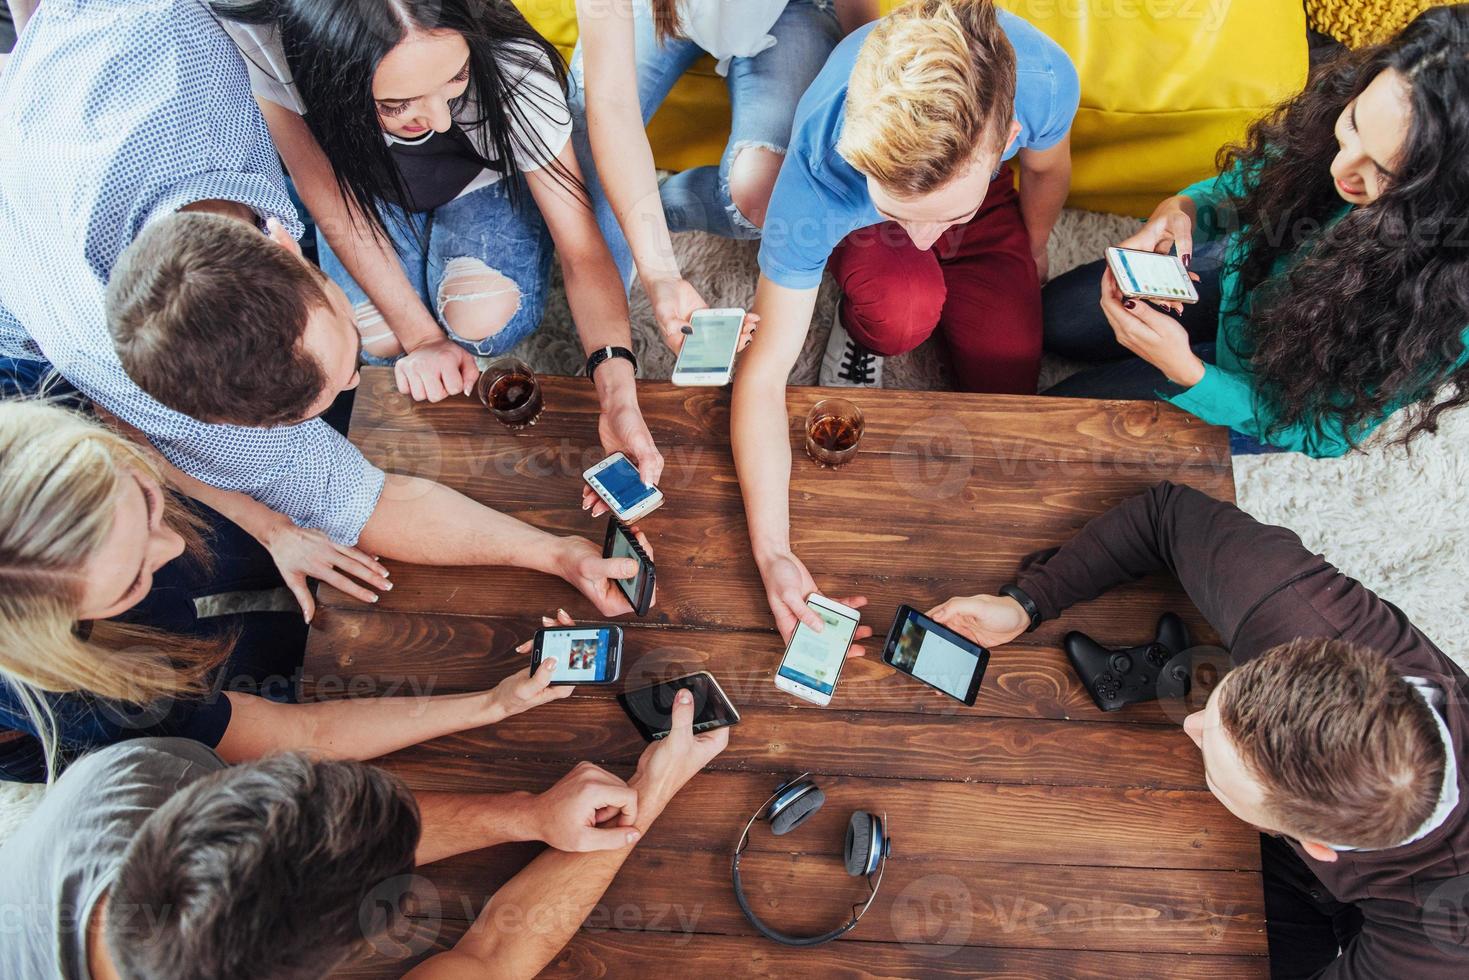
x: 978, y: 284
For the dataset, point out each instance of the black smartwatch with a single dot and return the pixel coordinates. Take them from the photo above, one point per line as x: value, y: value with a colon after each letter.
x: 607, y: 353
x: 1026, y: 602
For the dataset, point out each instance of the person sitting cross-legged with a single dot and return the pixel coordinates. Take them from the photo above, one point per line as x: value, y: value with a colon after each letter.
x: 1342, y: 733
x: 155, y: 859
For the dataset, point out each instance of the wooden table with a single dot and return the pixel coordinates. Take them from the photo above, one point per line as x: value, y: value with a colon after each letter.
x: 1034, y: 835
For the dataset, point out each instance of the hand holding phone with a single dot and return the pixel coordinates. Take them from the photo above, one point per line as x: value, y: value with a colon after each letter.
x: 1151, y: 276
x: 708, y: 351
x: 583, y: 655
x: 813, y: 660
x: 629, y: 542
x: 618, y: 484
x: 651, y: 708
x: 930, y: 652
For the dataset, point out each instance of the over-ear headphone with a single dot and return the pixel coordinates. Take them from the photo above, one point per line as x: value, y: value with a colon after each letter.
x: 865, y: 851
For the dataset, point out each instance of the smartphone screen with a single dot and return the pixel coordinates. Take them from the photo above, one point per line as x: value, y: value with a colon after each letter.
x: 651, y: 708
x: 1151, y: 274
x: 710, y: 348
x: 622, y: 548
x: 814, y: 659
x: 583, y: 656
x: 935, y: 655
x: 623, y: 484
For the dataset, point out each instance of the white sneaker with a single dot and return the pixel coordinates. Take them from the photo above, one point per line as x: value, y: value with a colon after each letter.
x: 846, y: 363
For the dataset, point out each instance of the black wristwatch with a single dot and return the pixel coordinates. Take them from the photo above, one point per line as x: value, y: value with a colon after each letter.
x: 606, y: 353
x: 1026, y: 602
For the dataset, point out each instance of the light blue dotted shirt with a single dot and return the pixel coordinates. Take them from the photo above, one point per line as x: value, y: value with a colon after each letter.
x: 112, y: 113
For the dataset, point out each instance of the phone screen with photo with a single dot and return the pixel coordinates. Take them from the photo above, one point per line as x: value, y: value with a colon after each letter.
x: 710, y: 348
x: 622, y: 548
x: 1152, y: 274
x: 623, y: 484
x: 814, y: 659
x: 934, y: 658
x: 581, y: 655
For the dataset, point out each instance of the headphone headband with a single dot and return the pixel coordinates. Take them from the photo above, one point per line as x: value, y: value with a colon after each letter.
x: 878, y: 846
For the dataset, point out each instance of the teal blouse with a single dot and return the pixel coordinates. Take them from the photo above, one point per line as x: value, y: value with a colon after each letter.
x: 1226, y: 395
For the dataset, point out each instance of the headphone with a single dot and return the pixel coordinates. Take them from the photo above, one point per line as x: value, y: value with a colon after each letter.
x: 865, y: 851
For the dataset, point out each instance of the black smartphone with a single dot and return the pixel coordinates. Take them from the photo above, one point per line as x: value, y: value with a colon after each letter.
x: 651, y: 708
x: 934, y: 654
x: 621, y: 543
x: 584, y: 655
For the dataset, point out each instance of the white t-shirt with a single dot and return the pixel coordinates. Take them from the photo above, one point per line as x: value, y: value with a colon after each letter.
x: 546, y: 130
x: 730, y: 28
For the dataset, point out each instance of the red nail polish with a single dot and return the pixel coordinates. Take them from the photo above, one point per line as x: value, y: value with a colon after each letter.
x: 1187, y: 259
x: 1129, y: 304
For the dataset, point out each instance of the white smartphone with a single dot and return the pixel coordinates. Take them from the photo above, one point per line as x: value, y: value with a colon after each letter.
x: 813, y: 661
x: 708, y: 354
x: 1150, y: 275
x: 617, y: 482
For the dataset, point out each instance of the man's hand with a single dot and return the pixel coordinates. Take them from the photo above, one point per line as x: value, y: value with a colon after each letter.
x: 434, y: 370
x: 787, y: 586
x: 1150, y: 334
x: 670, y: 762
x: 567, y: 816
x: 581, y: 563
x: 988, y: 620
x: 1042, y: 258
x: 301, y: 553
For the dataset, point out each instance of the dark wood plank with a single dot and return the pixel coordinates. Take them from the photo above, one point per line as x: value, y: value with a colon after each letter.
x: 932, y: 425
x: 609, y: 953
x: 851, y: 743
x: 944, y: 821
x: 367, y: 652
x: 920, y: 900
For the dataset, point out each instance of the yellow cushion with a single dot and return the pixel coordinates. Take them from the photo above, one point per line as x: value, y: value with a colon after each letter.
x: 1164, y: 84
x: 1358, y: 22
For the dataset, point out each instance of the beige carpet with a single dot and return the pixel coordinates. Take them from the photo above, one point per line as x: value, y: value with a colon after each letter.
x: 1399, y: 522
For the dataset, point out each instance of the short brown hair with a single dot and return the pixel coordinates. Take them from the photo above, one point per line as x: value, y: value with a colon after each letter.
x: 207, y: 315
x: 933, y: 81
x: 268, y: 869
x: 1347, y: 751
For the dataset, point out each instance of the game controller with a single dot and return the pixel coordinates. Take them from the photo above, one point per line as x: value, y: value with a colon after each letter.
x: 1116, y: 677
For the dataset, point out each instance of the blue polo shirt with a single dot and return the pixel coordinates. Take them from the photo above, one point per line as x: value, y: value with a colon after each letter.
x: 819, y: 198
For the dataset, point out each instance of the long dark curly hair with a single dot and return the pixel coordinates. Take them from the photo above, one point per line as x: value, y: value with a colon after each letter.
x: 1370, y: 315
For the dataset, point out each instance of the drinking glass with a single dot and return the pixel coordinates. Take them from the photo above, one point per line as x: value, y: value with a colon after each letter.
x: 833, y: 431
x: 512, y: 392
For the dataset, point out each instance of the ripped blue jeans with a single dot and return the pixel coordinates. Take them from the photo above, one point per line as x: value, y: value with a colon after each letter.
x: 763, y: 92
x: 478, y: 262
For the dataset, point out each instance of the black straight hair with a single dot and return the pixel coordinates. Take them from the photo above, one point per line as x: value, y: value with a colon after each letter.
x: 334, y: 47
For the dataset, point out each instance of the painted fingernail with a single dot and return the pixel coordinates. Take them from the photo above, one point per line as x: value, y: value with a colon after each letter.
x: 1186, y: 259
x: 374, y: 598
x: 562, y: 614
x: 387, y: 586
x: 1129, y: 304
x: 686, y: 330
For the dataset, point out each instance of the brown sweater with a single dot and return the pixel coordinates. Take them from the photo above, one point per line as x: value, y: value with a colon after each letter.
x: 1259, y: 587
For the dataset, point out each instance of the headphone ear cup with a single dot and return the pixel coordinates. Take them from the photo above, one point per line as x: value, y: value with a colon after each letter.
x: 863, y: 829
x: 788, y: 817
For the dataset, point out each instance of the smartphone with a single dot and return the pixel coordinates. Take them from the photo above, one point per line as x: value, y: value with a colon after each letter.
x: 590, y: 655
x: 1149, y: 275
x: 708, y: 354
x: 929, y: 651
x: 651, y: 707
x: 813, y: 661
x: 621, y: 543
x: 616, y: 481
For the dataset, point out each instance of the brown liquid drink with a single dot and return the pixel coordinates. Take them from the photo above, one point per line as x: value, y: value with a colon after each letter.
x: 512, y: 393
x: 833, y: 431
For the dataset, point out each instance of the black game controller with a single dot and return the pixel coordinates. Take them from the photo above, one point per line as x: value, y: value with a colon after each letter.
x: 1120, y: 676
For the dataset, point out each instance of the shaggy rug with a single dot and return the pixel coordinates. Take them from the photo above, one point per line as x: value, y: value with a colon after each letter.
x: 1396, y: 520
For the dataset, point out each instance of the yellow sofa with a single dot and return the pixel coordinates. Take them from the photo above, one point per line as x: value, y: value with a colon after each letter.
x: 1164, y: 84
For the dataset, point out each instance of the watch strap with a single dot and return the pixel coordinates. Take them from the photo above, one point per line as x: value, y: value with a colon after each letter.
x: 1013, y: 591
x: 601, y: 354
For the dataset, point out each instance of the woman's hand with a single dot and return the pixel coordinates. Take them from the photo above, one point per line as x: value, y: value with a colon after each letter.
x: 988, y: 620
x: 301, y: 553
x: 1169, y: 227
x: 675, y: 302
x: 622, y: 429
x: 523, y: 690
x: 1154, y: 336
x: 787, y: 586
x: 435, y: 370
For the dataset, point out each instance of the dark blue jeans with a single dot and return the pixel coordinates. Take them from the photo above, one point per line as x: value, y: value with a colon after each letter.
x: 1075, y: 328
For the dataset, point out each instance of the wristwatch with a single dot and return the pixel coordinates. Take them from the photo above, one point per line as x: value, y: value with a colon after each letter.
x: 606, y: 353
x: 1013, y: 591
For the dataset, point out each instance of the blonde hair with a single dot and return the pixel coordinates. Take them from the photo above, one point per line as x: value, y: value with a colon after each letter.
x: 933, y: 81
x: 59, y: 478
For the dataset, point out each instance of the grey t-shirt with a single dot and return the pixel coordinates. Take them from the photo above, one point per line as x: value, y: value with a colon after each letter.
x: 56, y: 866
